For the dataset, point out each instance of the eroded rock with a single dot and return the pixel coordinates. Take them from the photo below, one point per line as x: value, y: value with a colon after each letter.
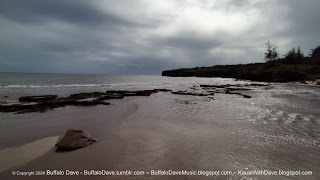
x: 37, y: 98
x: 192, y: 93
x: 75, y: 139
x: 229, y: 89
x: 245, y: 96
x: 237, y: 89
x: 49, y: 102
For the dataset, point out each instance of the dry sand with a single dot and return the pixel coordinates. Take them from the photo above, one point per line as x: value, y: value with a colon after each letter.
x: 18, y: 156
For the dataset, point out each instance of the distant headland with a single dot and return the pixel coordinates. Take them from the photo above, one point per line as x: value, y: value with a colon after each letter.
x: 292, y: 67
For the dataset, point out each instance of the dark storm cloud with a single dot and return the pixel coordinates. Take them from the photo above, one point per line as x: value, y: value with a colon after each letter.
x: 304, y: 17
x: 72, y: 11
x: 146, y: 37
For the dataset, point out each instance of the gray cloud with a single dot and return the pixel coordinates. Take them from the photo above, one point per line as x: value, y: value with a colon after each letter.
x: 146, y: 37
x: 71, y: 11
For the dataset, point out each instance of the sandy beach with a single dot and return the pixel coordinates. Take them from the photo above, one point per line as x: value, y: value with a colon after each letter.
x: 160, y: 132
x: 98, y: 120
x: 164, y: 131
x: 141, y: 133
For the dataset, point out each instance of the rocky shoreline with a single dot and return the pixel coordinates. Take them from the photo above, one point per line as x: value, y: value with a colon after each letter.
x: 315, y: 82
x: 43, y: 103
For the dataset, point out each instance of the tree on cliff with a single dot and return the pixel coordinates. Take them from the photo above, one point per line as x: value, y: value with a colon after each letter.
x: 315, y: 56
x: 300, y: 54
x: 315, y: 52
x: 294, y: 57
x: 271, y: 53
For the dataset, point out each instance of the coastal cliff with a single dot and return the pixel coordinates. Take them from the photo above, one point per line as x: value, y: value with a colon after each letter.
x: 272, y: 71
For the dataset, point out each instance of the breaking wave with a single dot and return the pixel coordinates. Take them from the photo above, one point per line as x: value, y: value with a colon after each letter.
x: 66, y: 85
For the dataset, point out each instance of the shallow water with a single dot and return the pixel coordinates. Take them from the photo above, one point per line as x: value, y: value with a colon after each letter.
x: 217, y: 135
x: 277, y: 129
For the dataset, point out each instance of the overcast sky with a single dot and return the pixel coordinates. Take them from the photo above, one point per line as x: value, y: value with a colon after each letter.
x: 149, y: 36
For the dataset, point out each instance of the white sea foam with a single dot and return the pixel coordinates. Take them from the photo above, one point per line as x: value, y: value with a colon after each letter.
x: 67, y: 85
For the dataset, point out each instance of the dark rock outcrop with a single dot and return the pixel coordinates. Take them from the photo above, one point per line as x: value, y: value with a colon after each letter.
x: 74, y: 139
x: 3, y: 102
x: 223, y: 89
x: 49, y: 102
x: 37, y: 98
x: 245, y: 96
x: 192, y: 93
x: 237, y: 89
x: 163, y: 90
x: 213, y: 86
x: 136, y: 93
x: 256, y: 84
x: 44, y: 103
x: 47, y: 105
x: 229, y: 89
x: 80, y: 96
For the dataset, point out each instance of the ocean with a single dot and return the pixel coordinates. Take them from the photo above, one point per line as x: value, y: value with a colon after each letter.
x: 277, y: 129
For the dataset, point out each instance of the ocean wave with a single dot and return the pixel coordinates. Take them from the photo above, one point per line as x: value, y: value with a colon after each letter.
x: 67, y: 85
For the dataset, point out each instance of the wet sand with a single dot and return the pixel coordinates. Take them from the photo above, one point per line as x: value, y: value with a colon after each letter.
x: 98, y: 121
x: 162, y: 132
x: 168, y: 134
x: 160, y: 138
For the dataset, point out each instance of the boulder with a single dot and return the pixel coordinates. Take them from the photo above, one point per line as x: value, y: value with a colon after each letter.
x: 75, y: 139
x: 245, y: 96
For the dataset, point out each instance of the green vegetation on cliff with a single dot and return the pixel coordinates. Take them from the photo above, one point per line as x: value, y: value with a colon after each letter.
x: 293, y: 67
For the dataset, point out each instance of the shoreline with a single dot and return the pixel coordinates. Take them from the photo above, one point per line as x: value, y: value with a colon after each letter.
x: 98, y: 120
x: 198, y: 127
